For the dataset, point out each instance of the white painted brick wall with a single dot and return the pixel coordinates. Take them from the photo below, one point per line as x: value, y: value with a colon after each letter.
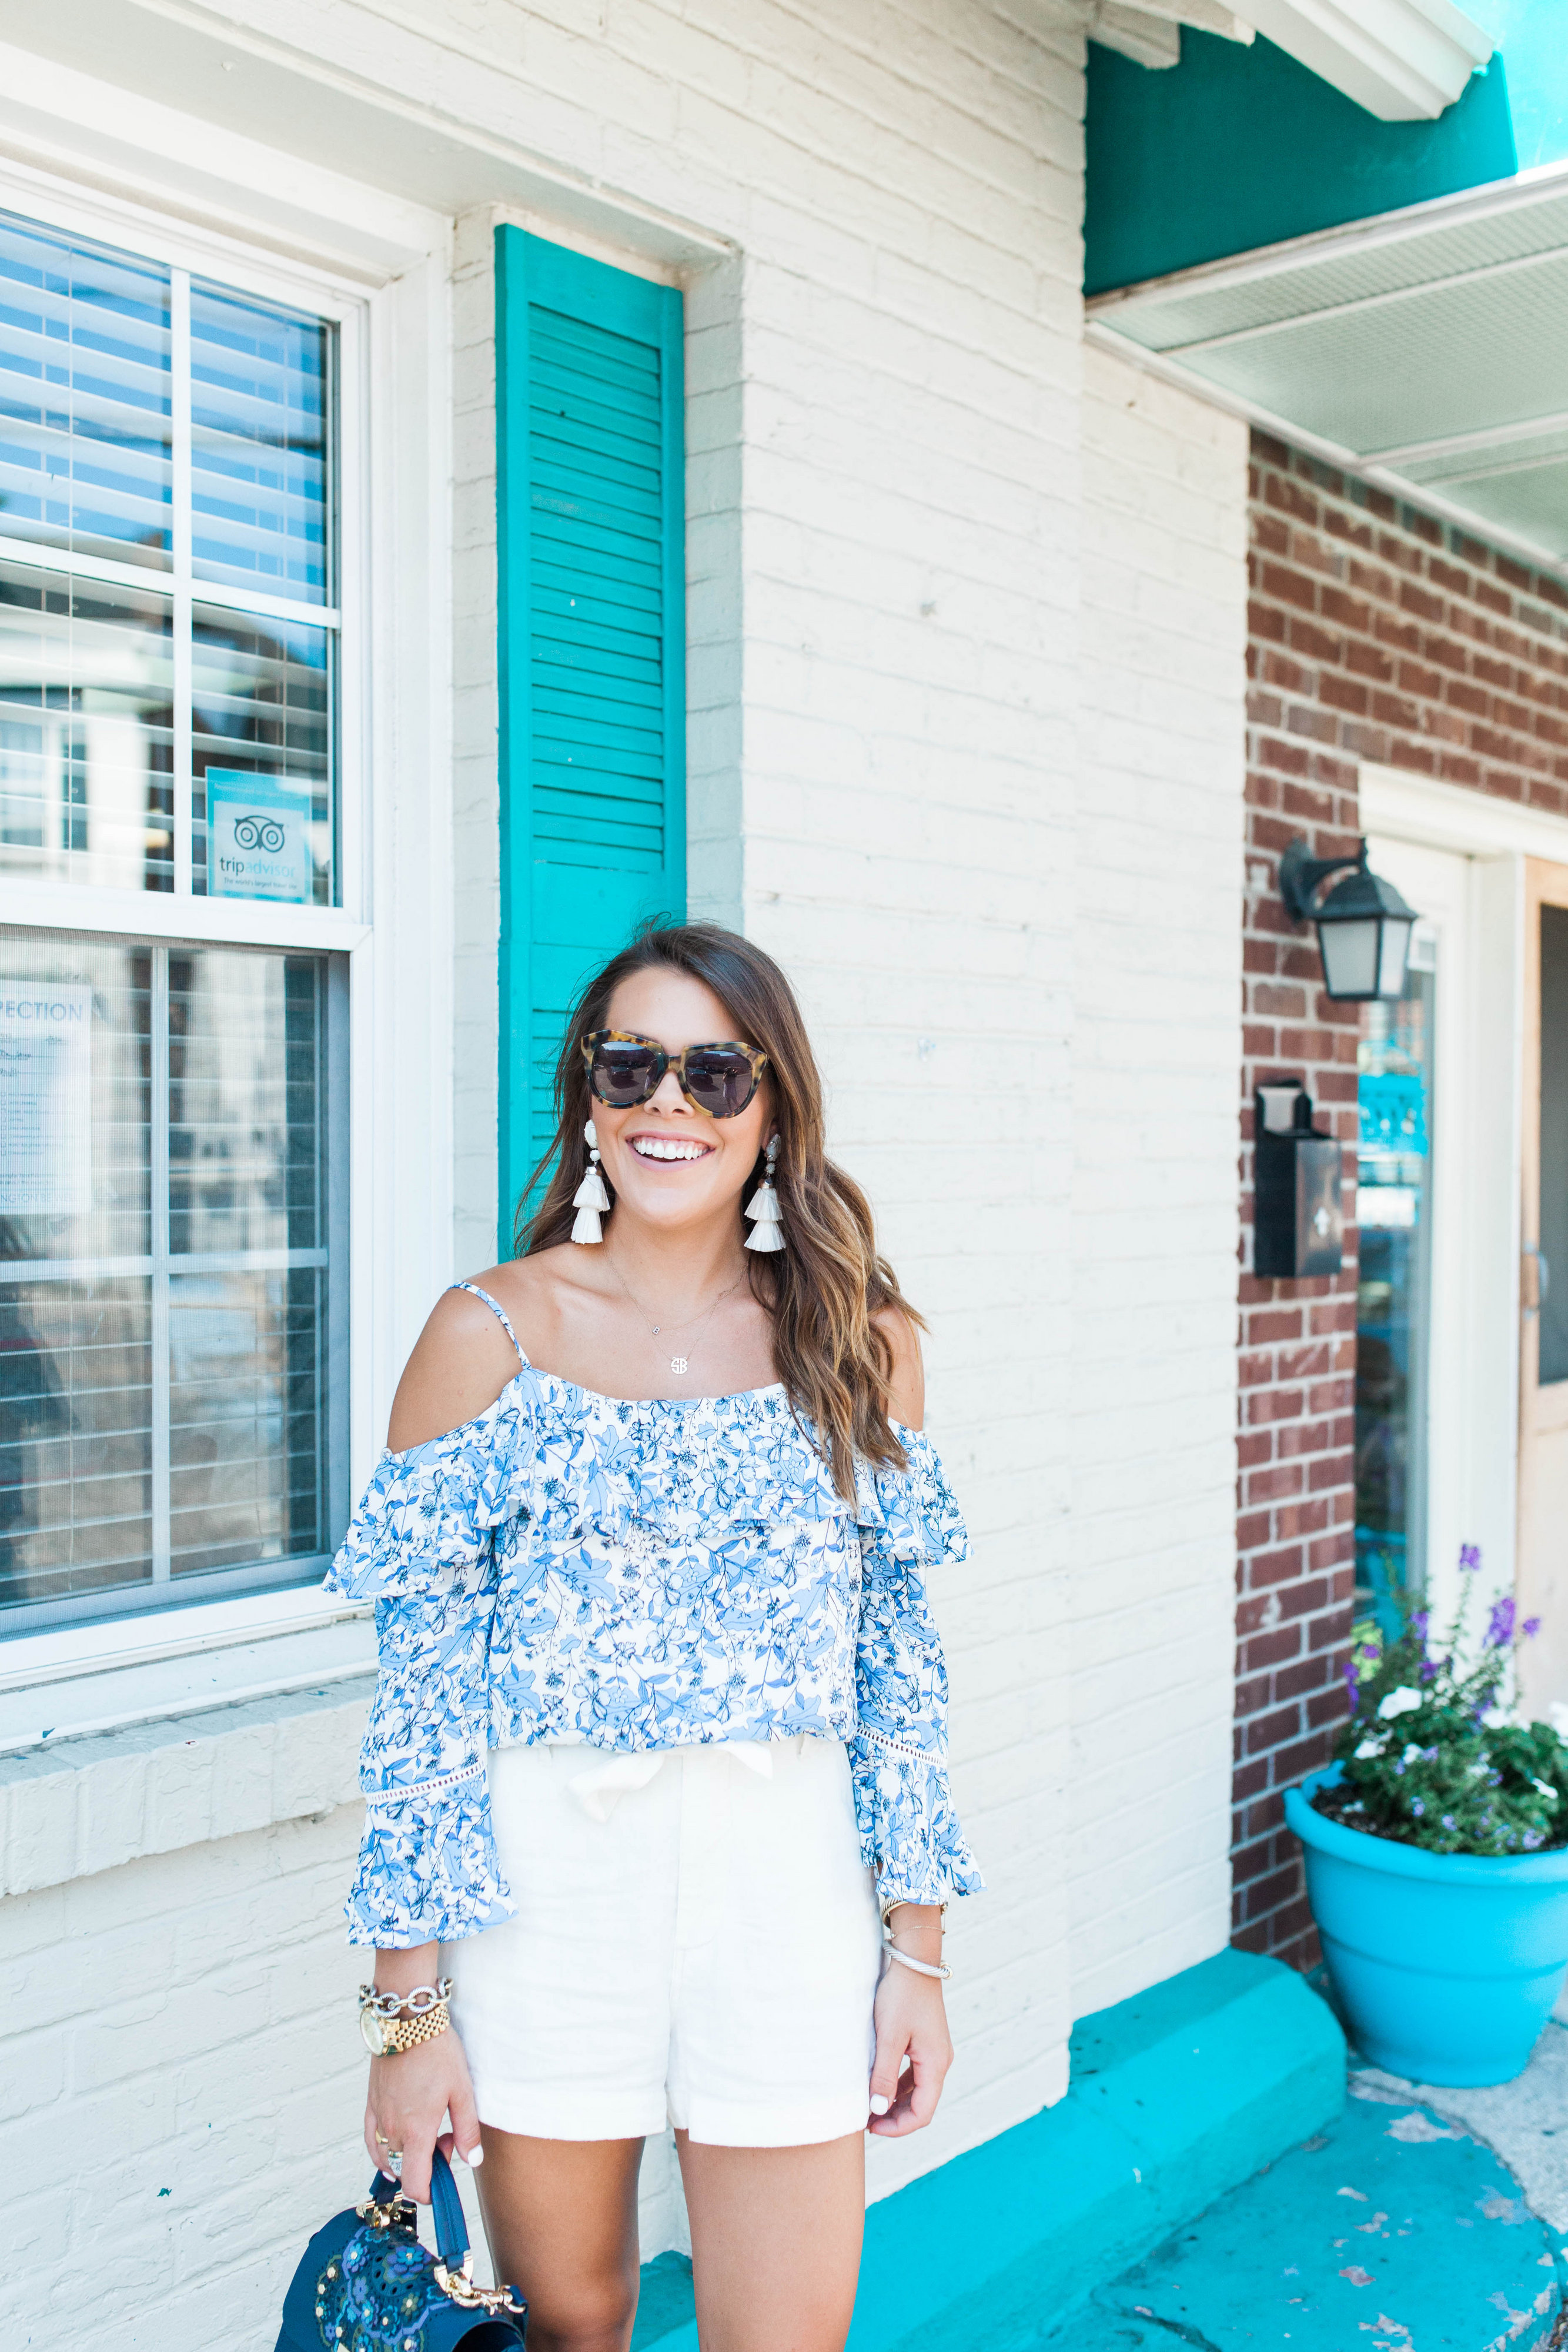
x: 883, y: 514
x: 184, y: 2087
x: 959, y: 754
x: 1156, y: 1046
x: 184, y: 2080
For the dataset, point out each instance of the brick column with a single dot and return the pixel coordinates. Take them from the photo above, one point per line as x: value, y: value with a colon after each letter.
x: 1375, y: 632
x: 1295, y: 1502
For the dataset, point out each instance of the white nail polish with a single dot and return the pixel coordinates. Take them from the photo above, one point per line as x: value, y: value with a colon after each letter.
x: 879, y: 2105
x: 475, y: 2159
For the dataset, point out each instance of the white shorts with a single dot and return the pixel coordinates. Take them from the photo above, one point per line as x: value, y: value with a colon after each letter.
x: 696, y: 1941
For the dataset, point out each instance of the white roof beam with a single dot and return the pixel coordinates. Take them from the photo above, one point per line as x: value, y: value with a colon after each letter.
x: 1311, y: 315
x: 1482, y: 442
x: 1404, y: 61
x: 1149, y: 31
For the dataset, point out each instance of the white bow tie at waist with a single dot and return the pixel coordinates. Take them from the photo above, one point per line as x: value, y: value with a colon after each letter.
x: 600, y: 1789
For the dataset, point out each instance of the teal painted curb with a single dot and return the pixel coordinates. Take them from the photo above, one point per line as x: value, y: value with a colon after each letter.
x: 1177, y: 2096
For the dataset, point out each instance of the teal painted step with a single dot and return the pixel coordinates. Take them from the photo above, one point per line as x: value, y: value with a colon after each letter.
x: 1388, y: 2215
x: 664, y: 2307
x: 1177, y: 2096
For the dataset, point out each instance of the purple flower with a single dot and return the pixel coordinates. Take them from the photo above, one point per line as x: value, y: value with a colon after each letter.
x: 1529, y: 1630
x: 1417, y: 1807
x: 1499, y: 1625
x: 1429, y: 1672
x: 1418, y: 1624
x: 1351, y: 1681
x: 1469, y: 1558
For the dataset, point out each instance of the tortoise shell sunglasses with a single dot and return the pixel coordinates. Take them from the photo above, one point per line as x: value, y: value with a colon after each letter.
x: 624, y: 1068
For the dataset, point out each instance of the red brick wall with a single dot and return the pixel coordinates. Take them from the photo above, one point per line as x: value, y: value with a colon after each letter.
x: 1375, y: 632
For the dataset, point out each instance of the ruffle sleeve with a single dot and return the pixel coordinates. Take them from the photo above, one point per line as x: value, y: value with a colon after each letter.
x: 422, y: 1546
x: 909, y: 1524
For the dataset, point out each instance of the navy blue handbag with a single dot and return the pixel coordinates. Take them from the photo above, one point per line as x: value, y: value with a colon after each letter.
x: 366, y: 2283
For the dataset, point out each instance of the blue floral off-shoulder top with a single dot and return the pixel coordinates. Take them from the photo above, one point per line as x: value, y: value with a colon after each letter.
x: 639, y: 1574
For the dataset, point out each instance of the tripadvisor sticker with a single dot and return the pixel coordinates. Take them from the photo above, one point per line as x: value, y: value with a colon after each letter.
x: 258, y: 837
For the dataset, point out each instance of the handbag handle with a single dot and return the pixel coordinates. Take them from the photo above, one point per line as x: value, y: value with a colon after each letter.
x: 446, y: 2205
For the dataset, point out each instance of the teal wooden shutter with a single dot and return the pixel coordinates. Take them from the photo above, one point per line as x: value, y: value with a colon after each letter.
x: 590, y: 465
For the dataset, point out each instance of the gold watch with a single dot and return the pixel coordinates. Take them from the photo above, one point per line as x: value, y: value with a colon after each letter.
x: 385, y: 2031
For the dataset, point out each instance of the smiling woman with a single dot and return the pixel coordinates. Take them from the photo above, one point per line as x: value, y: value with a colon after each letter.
x: 659, y: 1746
x: 836, y: 1323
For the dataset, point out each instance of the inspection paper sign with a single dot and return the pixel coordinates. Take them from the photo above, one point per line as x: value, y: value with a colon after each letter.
x: 45, y: 1097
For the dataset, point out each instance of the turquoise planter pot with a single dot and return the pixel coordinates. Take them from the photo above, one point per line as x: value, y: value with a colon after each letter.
x: 1446, y: 1965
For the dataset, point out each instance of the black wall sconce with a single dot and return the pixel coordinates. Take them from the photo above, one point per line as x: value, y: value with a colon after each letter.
x: 1363, y: 924
x: 1298, y: 1214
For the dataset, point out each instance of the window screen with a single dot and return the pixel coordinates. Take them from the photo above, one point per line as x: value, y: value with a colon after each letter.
x: 171, y: 1343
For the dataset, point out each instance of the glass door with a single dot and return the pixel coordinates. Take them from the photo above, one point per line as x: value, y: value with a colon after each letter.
x: 1393, y: 1291
x: 170, y: 1320
x: 1542, y: 1574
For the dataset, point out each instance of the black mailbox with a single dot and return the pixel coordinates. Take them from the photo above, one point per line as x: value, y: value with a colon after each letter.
x: 1298, y: 1215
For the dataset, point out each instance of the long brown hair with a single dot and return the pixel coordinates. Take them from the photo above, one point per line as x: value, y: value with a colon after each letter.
x: 825, y: 1286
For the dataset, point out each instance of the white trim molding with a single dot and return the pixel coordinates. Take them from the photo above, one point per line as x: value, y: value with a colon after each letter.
x: 1404, y: 61
x: 100, y: 1800
x: 1149, y: 31
x: 194, y: 102
x: 1452, y: 816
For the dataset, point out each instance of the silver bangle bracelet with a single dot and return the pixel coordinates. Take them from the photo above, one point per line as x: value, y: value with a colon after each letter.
x: 922, y: 1967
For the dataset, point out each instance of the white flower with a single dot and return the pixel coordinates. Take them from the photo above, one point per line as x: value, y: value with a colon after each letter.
x: 1399, y: 1702
x: 1413, y: 1754
x: 1368, y: 1748
x: 1544, y: 1789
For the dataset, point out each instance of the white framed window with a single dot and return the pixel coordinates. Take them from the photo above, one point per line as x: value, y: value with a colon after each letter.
x: 178, y: 575
x: 181, y: 824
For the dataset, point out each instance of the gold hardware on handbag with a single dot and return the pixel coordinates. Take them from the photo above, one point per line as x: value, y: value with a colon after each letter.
x: 366, y: 2279
x: 459, y: 2284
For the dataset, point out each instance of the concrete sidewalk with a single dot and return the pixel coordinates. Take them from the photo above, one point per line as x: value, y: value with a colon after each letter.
x: 1423, y: 2221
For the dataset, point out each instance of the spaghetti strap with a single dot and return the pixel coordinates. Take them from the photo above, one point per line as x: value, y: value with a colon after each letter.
x: 499, y: 1312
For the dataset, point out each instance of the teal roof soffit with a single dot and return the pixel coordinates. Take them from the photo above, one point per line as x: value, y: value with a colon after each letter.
x: 1239, y: 147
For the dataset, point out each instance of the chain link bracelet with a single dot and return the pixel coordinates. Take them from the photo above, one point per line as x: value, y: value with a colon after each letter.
x: 416, y: 2000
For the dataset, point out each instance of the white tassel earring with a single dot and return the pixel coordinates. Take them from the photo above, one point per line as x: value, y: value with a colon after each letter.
x: 767, y: 1221
x: 590, y: 1197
